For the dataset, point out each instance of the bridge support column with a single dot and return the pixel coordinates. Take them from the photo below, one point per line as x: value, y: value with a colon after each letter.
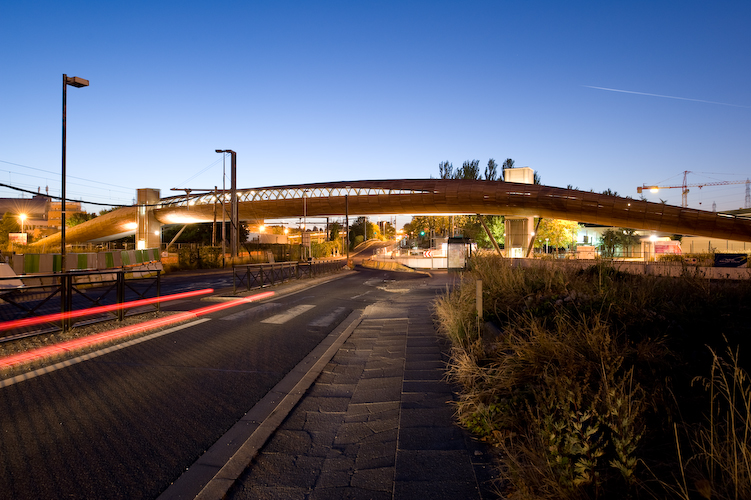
x: 149, y: 230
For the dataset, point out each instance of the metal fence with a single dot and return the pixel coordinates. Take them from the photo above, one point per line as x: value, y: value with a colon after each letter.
x: 59, y: 294
x: 250, y: 276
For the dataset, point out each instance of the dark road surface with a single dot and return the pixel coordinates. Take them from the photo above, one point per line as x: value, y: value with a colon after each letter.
x: 128, y: 423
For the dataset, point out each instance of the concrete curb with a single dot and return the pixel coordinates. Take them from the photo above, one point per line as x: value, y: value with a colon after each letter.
x: 214, y: 473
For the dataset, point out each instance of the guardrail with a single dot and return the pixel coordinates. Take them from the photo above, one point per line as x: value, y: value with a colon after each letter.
x: 261, y: 275
x: 75, y: 291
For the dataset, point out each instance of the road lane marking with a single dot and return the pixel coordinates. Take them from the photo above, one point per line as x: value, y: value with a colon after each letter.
x: 324, y: 321
x: 282, y: 318
x: 253, y: 313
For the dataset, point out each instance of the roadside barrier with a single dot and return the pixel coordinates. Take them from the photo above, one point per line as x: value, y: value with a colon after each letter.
x: 261, y: 275
x: 43, y: 294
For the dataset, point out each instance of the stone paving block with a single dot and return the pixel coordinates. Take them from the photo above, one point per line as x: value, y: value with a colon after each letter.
x: 371, y: 408
x: 427, y: 417
x: 381, y: 437
x: 386, y: 372
x: 324, y: 404
x: 432, y: 465
x: 256, y: 492
x: 351, y: 434
x: 378, y: 390
x: 436, y: 375
x: 434, y: 351
x: 377, y: 455
x: 348, y: 493
x: 340, y: 463
x: 421, y: 357
x: 289, y: 441
x: 332, y: 390
x: 315, y: 421
x: 421, y: 343
x: 425, y: 400
x: 427, y: 386
x: 431, y: 438
x: 334, y: 479
x: 429, y: 364
x: 380, y: 479
x: 282, y: 470
x: 435, y: 490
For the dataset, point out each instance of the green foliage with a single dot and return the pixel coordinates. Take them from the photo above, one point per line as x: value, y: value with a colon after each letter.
x: 77, y: 218
x: 578, y: 386
x: 613, y: 240
x: 359, y: 228
x: 469, y: 170
x: 326, y: 249
x: 497, y: 228
x: 446, y: 170
x: 8, y: 224
x: 557, y: 233
x: 491, y: 171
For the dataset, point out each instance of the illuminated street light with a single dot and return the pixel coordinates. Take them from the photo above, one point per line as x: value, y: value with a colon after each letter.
x: 77, y: 82
x: 22, y: 218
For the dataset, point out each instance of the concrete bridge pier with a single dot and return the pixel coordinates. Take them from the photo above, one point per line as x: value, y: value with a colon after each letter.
x: 148, y: 229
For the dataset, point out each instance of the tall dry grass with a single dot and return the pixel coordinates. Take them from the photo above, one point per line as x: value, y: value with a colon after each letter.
x: 576, y: 385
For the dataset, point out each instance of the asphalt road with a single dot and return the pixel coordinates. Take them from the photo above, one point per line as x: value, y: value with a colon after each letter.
x: 128, y: 423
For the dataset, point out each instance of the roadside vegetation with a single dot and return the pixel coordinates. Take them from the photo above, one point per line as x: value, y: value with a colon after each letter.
x: 598, y: 384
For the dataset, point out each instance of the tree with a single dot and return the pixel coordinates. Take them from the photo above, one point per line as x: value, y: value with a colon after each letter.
x: 335, y: 229
x: 446, y: 170
x: 8, y: 224
x: 556, y: 233
x: 77, y: 218
x: 357, y: 231
x: 610, y: 193
x: 469, y: 170
x: 491, y: 171
x: 389, y: 231
x: 496, y: 226
x: 613, y: 239
x: 536, y: 178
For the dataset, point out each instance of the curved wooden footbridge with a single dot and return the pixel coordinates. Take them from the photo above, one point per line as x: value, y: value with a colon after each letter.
x: 420, y: 197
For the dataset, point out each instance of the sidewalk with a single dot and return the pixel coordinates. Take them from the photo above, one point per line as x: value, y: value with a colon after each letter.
x: 377, y: 422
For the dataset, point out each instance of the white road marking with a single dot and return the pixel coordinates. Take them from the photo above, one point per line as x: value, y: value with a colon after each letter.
x: 254, y: 311
x: 286, y: 316
x: 327, y: 320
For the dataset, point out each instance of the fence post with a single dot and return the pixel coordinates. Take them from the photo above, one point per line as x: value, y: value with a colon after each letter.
x: 158, y: 290
x: 260, y: 274
x: 120, y: 294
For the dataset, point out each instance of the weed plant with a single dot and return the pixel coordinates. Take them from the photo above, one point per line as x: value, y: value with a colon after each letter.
x: 585, y: 376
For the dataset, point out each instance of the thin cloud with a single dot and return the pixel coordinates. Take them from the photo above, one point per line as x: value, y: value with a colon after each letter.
x: 668, y: 97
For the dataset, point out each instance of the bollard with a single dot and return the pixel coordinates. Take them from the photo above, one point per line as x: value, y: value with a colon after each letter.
x: 478, y: 303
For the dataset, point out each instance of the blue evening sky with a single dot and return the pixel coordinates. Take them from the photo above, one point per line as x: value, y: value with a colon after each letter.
x: 348, y: 90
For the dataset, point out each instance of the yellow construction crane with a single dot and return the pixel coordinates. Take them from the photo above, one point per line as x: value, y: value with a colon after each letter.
x: 684, y: 188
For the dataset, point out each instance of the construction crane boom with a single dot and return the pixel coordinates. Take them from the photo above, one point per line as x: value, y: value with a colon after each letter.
x: 684, y: 188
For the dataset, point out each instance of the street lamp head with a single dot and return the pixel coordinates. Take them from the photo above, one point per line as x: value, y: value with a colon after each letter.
x: 75, y: 81
x: 220, y: 151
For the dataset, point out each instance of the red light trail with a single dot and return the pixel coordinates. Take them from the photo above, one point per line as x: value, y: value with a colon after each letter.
x: 119, y: 333
x: 51, y: 318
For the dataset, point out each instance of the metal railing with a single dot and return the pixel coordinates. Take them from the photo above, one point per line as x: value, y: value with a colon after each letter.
x: 250, y: 276
x: 49, y: 294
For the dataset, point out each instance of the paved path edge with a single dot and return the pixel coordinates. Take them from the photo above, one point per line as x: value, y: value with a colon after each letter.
x: 214, y: 473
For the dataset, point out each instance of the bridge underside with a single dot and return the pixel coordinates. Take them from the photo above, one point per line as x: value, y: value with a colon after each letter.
x: 427, y: 197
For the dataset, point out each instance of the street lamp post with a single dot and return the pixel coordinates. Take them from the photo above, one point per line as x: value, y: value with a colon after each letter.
x: 22, y: 218
x: 234, y: 215
x: 77, y: 82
